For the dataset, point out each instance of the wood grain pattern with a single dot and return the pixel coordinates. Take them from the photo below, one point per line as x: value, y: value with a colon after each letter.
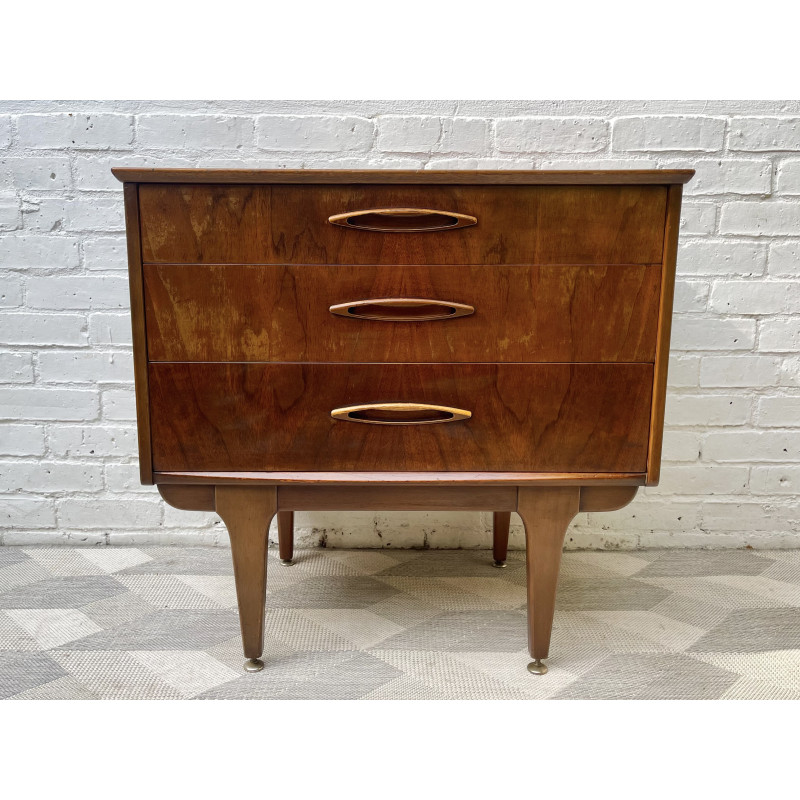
x: 606, y: 498
x: 422, y: 176
x: 281, y: 313
x: 140, y: 375
x: 282, y: 224
x: 389, y: 498
x: 357, y: 478
x: 673, y: 222
x: 534, y: 417
x: 285, y: 534
x: 247, y: 512
x: 546, y: 514
x: 501, y: 522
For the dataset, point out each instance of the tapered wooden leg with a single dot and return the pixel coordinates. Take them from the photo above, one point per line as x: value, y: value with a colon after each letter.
x: 286, y: 537
x: 546, y: 514
x: 501, y: 523
x: 247, y: 512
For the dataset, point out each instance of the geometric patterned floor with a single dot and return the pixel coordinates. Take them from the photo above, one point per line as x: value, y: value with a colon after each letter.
x: 161, y: 623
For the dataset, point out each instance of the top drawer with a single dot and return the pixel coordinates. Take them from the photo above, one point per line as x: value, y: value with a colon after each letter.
x: 289, y: 224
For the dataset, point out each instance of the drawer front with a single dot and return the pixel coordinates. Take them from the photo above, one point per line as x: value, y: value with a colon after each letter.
x: 281, y: 224
x: 513, y: 313
x: 515, y: 417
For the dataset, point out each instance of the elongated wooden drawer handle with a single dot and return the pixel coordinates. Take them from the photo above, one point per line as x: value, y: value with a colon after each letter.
x: 402, y: 309
x: 400, y: 414
x: 402, y: 220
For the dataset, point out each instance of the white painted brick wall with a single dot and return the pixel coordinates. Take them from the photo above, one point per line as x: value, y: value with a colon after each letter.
x: 68, y: 465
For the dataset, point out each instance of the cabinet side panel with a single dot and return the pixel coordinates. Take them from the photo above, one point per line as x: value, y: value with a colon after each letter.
x: 133, y: 232
x: 672, y: 227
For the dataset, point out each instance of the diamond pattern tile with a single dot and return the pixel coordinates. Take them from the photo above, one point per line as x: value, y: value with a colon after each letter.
x: 161, y: 623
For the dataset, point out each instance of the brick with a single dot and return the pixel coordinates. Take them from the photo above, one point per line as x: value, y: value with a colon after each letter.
x: 327, y: 134
x: 49, y: 476
x: 778, y: 412
x: 680, y: 446
x: 698, y: 219
x: 26, y: 512
x: 5, y: 131
x: 760, y: 134
x: 551, y: 135
x: 93, y: 173
x: 97, y: 291
x: 92, y: 441
x: 692, y: 333
x: 10, y: 213
x: 82, y: 367
x: 722, y: 516
x: 119, y: 404
x: 749, y: 218
x: 784, y: 259
x: 50, y: 173
x: 780, y: 335
x: 703, y: 479
x: 408, y: 134
x: 10, y: 291
x: 75, y: 131
x: 690, y: 296
x: 124, y: 478
x: 729, y: 176
x: 110, y: 329
x: 464, y: 135
x: 751, y: 297
x: 775, y: 480
x: 64, y: 329
x: 790, y: 372
x: 592, y: 163
x: 432, y: 134
x: 193, y: 132
x: 789, y: 177
x: 668, y: 133
x: 721, y: 258
x: 38, y: 252
x: 463, y: 162
x: 21, y: 440
x: 46, y: 215
x: 16, y: 368
x: 96, y: 214
x: 48, y: 404
x: 746, y: 446
x: 738, y: 371
x: 108, y: 512
x: 684, y: 371
x: 707, y: 410
x: 106, y: 253
x: 644, y: 516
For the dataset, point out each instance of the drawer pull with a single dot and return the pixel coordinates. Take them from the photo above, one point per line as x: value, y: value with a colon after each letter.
x: 402, y: 220
x: 400, y: 414
x: 402, y: 309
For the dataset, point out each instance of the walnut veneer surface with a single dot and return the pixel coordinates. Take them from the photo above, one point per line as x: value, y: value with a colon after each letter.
x: 297, y: 330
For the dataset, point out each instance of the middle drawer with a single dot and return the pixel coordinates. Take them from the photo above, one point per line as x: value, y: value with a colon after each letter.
x: 497, y: 313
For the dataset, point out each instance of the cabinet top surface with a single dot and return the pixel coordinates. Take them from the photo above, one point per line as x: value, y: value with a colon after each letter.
x: 311, y: 176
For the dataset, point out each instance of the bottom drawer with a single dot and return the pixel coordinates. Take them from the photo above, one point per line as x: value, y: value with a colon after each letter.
x: 519, y: 417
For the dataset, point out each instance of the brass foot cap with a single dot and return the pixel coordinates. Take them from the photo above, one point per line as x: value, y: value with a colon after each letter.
x: 537, y: 668
x: 287, y: 562
x: 254, y: 665
x: 499, y: 564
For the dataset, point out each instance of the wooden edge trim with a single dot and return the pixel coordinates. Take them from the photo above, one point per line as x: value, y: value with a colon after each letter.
x: 136, y: 281
x: 509, y: 177
x: 393, y: 498
x: 671, y: 229
x: 188, y: 497
x: 606, y: 498
x: 405, y: 478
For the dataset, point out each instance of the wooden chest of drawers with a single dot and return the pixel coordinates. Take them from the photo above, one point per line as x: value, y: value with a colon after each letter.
x: 418, y: 340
